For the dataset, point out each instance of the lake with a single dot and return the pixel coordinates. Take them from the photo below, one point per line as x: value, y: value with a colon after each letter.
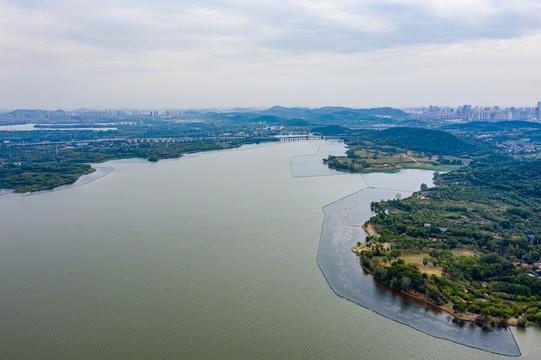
x: 211, y: 256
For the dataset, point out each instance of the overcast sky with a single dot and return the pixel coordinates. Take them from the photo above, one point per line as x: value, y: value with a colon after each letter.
x: 209, y: 53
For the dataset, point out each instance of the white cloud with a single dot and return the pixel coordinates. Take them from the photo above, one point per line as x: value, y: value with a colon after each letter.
x: 235, y: 52
x: 455, y: 8
x: 288, y: 26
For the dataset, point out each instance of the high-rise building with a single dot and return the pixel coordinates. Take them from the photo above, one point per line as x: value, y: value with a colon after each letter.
x: 538, y: 111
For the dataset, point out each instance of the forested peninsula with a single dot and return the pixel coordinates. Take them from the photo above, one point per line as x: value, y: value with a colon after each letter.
x: 470, y: 245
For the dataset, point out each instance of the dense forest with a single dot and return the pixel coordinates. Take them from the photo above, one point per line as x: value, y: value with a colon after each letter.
x: 430, y: 141
x: 34, y: 177
x: 471, y: 243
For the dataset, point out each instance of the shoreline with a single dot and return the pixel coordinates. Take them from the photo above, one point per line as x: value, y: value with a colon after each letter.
x: 349, y: 280
x: 370, y: 231
x: 421, y: 298
x: 94, y: 169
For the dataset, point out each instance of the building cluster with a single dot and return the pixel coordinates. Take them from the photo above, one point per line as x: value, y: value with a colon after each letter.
x: 517, y: 148
x: 82, y: 116
x: 145, y: 113
x: 476, y: 113
x: 160, y: 140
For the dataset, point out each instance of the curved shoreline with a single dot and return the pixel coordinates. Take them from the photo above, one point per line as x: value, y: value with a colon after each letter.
x: 420, y: 299
x: 347, y: 279
x: 100, y: 172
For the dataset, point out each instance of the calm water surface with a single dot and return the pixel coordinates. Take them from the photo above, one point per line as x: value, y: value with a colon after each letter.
x: 212, y: 256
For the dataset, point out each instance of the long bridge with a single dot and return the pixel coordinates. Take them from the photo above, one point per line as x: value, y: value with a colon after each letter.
x: 311, y: 136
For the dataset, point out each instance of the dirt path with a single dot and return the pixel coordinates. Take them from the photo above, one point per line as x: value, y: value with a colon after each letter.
x: 409, y: 157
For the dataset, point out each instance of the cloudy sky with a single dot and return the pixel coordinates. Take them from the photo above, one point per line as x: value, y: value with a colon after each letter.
x: 209, y: 53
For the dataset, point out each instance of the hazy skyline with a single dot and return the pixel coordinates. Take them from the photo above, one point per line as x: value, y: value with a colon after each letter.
x: 201, y: 54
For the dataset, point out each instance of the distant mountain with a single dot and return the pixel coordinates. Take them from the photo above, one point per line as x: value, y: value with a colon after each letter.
x: 242, y: 109
x: 22, y: 116
x: 330, y: 113
x: 25, y: 112
x: 332, y: 130
x: 269, y: 119
x: 296, y: 122
x: 277, y: 115
x: 286, y: 112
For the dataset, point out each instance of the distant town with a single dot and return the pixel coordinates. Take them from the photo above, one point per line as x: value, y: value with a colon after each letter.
x: 448, y: 114
x: 476, y: 113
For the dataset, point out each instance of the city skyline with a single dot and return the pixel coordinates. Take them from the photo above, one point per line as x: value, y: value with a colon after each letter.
x: 465, y: 112
x: 209, y: 54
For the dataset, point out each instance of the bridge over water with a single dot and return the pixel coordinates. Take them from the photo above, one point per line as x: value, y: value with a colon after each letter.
x: 311, y: 136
